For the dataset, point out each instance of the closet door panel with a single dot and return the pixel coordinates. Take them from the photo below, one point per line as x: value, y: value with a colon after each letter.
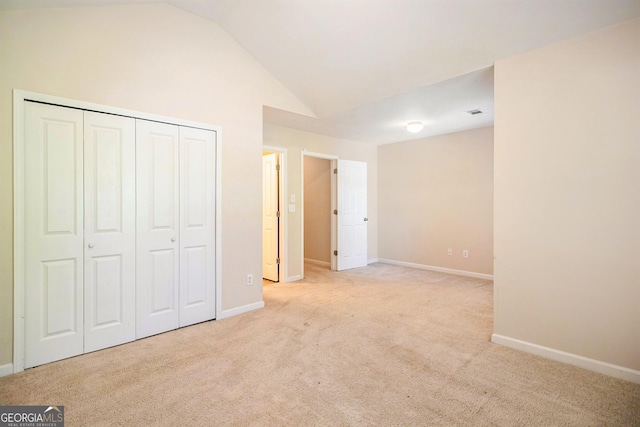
x: 110, y: 239
x: 53, y: 224
x: 157, y: 187
x: 197, y: 228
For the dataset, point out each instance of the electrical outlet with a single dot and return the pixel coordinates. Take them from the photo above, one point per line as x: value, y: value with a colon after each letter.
x: 449, y: 251
x: 465, y: 253
x: 249, y: 279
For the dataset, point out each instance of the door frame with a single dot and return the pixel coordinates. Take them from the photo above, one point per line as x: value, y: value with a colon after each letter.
x: 19, y: 98
x: 283, y: 226
x: 334, y: 223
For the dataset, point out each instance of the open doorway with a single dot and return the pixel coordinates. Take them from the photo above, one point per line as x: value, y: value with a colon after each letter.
x: 317, y: 210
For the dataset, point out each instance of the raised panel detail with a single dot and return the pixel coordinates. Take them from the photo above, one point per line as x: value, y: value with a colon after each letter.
x: 108, y: 291
x: 162, y: 280
x: 108, y: 180
x: 196, y: 276
x: 163, y: 163
x: 60, y: 144
x: 59, y: 297
x: 196, y: 185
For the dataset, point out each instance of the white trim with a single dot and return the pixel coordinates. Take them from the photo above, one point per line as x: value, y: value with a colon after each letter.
x: 318, y: 262
x: 23, y: 95
x: 438, y: 269
x: 373, y: 260
x: 284, y: 212
x: 18, y: 232
x: 570, y: 358
x: 294, y: 278
x: 241, y: 310
x: 218, y: 199
x: 6, y: 369
x: 334, y: 217
x: 319, y: 155
x: 19, y: 98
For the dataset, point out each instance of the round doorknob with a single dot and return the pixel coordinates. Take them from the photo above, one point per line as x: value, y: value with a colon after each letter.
x: 173, y: 239
x: 91, y: 245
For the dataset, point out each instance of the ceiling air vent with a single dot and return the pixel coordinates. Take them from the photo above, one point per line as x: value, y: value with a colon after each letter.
x: 474, y: 112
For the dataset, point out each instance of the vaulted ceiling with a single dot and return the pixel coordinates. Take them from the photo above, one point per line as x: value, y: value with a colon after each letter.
x: 367, y: 67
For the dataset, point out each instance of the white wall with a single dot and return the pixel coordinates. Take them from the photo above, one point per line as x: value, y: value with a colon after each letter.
x: 295, y: 141
x: 567, y: 196
x: 434, y: 194
x: 156, y: 59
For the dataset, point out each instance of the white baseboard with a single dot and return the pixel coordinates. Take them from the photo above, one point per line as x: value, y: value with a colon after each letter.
x: 293, y: 278
x: 570, y: 358
x: 373, y: 260
x: 240, y: 310
x: 6, y: 369
x: 438, y: 269
x: 317, y: 262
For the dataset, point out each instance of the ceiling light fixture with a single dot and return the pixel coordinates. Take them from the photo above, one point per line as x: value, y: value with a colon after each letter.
x: 474, y: 112
x: 415, y: 126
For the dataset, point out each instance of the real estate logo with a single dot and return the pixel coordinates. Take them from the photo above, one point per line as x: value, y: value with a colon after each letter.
x: 31, y: 416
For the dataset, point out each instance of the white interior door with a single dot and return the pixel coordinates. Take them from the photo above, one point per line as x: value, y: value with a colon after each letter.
x: 158, y: 226
x: 110, y: 230
x: 352, y: 214
x: 197, y: 225
x: 53, y: 222
x: 270, y: 218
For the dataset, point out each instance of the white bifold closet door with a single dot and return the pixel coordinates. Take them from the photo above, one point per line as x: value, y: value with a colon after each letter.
x: 158, y: 227
x: 79, y: 232
x: 109, y: 230
x: 197, y: 225
x: 175, y: 226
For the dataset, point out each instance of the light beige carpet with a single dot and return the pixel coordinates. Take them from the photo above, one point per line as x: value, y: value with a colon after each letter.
x: 381, y: 345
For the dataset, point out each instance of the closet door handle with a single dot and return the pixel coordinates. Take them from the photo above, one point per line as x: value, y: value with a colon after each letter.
x: 91, y: 245
x: 173, y: 239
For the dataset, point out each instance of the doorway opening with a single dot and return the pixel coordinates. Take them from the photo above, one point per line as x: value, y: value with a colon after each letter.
x: 317, y: 211
x: 318, y: 188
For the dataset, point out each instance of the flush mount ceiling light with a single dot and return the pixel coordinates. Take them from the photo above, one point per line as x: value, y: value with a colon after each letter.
x: 415, y: 126
x: 474, y: 112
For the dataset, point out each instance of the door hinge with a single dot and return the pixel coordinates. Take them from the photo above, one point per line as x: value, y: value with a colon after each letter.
x: 278, y: 261
x: 278, y: 167
x: 335, y: 253
x: 335, y: 211
x: 335, y: 171
x: 278, y: 214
